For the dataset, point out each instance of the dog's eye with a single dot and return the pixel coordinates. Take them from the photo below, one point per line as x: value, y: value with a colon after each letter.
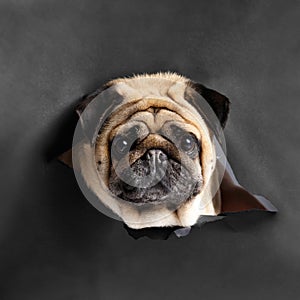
x: 121, y: 145
x: 187, y: 143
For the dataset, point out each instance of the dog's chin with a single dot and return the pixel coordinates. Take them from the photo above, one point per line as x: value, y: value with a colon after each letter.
x: 170, y: 186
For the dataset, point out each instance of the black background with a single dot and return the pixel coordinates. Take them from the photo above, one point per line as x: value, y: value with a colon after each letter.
x: 54, y: 244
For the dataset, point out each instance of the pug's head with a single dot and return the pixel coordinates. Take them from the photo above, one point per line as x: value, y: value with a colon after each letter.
x: 154, y: 155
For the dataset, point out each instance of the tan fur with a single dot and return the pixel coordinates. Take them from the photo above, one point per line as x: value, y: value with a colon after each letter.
x: 171, y: 76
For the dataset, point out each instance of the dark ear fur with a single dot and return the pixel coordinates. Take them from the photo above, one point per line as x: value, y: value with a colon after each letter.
x: 218, y: 102
x: 86, y: 99
x: 99, y: 111
x: 66, y: 157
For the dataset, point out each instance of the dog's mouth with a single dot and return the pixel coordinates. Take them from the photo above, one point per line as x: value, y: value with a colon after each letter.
x: 155, y: 179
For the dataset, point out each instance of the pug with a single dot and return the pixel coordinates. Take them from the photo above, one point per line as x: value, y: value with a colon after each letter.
x: 150, y: 151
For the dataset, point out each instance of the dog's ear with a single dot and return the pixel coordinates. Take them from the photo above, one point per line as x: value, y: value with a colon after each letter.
x: 218, y: 102
x: 93, y: 116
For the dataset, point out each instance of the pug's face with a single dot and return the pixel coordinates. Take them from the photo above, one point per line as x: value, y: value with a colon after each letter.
x: 153, y: 152
x: 155, y: 158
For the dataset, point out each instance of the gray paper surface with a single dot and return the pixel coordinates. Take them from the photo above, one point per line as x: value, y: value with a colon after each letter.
x: 54, y: 244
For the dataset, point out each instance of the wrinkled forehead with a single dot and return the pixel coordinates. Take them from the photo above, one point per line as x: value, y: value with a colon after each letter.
x: 155, y: 120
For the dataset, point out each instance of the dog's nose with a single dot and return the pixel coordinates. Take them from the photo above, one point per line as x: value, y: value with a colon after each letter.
x: 156, y: 156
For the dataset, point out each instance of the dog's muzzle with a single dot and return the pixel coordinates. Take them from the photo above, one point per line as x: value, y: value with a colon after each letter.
x: 154, y: 178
